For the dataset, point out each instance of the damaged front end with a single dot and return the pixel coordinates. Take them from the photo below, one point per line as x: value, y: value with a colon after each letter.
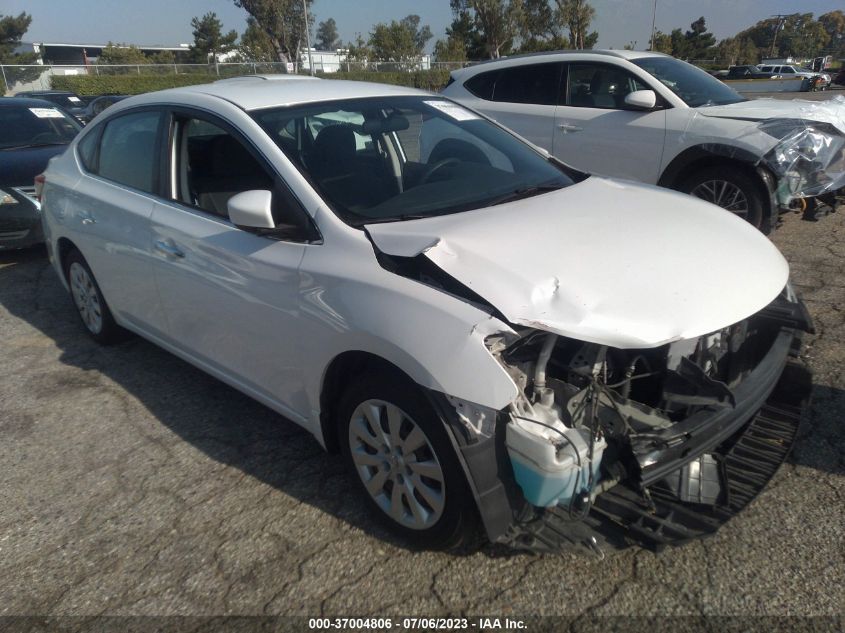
x: 656, y: 446
x: 808, y: 160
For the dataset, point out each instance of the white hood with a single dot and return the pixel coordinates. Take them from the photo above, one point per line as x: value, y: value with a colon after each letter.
x: 603, y: 261
x: 830, y: 111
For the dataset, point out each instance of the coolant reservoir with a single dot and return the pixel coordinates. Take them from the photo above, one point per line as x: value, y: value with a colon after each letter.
x: 546, y: 466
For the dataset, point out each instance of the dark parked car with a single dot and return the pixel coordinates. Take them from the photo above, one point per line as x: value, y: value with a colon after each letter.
x: 746, y: 72
x: 99, y: 104
x: 68, y: 101
x: 839, y: 79
x: 32, y: 131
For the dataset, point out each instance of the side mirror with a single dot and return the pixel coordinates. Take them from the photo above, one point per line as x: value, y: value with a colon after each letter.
x: 252, y: 209
x: 641, y: 100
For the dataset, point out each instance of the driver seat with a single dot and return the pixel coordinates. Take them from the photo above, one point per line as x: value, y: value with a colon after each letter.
x: 336, y: 167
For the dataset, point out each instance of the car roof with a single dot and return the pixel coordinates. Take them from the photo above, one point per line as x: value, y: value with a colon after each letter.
x: 25, y: 102
x: 560, y: 55
x: 27, y: 93
x: 258, y: 93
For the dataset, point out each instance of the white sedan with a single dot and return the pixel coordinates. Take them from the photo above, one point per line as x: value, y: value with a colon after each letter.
x: 491, y: 338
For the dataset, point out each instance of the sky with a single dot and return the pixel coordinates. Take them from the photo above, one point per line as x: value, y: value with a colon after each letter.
x: 168, y: 22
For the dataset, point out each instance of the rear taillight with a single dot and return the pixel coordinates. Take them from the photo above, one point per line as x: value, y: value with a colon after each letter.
x: 40, y: 179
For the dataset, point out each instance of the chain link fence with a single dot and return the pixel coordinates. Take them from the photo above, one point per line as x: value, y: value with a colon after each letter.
x: 38, y: 77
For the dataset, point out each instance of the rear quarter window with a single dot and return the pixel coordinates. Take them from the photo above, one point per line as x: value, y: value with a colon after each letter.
x: 87, y: 149
x: 482, y: 84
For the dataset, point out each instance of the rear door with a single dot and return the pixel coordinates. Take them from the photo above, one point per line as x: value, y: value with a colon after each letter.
x: 522, y: 98
x: 594, y: 130
x: 109, y: 211
x: 231, y: 295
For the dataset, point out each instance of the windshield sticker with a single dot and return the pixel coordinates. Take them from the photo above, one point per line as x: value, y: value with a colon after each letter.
x: 47, y: 113
x: 453, y: 110
x: 74, y: 99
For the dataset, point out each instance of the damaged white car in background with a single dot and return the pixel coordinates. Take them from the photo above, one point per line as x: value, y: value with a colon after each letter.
x: 491, y: 338
x: 655, y: 119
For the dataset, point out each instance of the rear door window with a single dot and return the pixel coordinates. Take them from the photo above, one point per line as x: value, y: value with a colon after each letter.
x: 537, y: 84
x: 129, y: 150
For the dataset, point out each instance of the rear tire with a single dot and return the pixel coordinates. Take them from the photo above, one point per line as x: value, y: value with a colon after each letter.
x: 403, y: 459
x: 731, y: 189
x: 90, y: 304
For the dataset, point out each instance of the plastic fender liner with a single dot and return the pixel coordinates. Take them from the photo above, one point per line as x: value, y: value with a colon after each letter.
x: 483, y: 460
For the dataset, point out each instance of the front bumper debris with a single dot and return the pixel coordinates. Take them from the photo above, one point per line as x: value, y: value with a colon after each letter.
x: 744, y: 454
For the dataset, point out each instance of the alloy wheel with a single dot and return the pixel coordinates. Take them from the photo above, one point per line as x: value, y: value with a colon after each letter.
x: 86, y: 297
x: 723, y: 194
x: 397, y: 464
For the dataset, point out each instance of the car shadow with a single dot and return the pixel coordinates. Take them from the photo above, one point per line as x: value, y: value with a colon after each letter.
x: 233, y: 429
x: 226, y: 425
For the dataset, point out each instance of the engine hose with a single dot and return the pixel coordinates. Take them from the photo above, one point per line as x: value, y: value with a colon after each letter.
x: 542, y: 363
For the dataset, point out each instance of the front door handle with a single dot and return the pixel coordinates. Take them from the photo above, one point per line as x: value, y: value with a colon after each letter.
x: 566, y: 127
x: 86, y: 219
x: 168, y: 249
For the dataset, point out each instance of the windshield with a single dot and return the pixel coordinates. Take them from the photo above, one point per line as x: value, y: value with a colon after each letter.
x: 34, y: 126
x: 396, y: 158
x: 693, y: 85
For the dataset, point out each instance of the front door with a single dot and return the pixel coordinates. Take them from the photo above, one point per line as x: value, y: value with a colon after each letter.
x: 230, y: 295
x: 594, y: 132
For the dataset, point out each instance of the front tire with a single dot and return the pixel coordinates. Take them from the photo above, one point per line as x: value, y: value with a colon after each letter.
x: 90, y: 304
x: 404, y: 462
x: 731, y: 189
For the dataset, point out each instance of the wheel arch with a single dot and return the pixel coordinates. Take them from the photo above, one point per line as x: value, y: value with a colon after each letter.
x: 64, y: 246
x: 706, y: 155
x: 335, y: 379
x: 709, y: 155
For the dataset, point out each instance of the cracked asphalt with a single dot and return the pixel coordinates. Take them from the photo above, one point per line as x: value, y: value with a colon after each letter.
x: 132, y: 483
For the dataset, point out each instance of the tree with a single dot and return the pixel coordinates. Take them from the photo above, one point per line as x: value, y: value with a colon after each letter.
x: 122, y: 54
x: 794, y: 35
x: 449, y: 50
x: 209, y: 40
x: 542, y: 27
x: 577, y: 15
x: 463, y: 41
x: 255, y: 45
x: 282, y: 22
x: 834, y: 25
x: 498, y: 22
x: 402, y: 41
x: 662, y: 43
x: 734, y: 51
x: 327, y: 39
x: 698, y: 41
x: 358, y: 51
x: 162, y: 57
x: 12, y: 30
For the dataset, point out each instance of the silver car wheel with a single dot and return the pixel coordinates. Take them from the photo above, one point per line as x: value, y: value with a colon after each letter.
x: 86, y: 297
x: 397, y: 464
x: 723, y: 194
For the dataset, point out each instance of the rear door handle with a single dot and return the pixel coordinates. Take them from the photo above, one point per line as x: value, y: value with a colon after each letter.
x: 168, y: 249
x: 566, y: 127
x: 86, y: 219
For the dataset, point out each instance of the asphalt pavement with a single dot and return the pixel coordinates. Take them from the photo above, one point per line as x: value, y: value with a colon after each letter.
x: 132, y: 483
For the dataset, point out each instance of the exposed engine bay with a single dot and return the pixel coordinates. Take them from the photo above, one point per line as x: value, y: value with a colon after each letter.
x: 591, y: 417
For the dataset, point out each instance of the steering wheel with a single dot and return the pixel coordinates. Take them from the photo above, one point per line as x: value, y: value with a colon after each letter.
x: 433, y: 169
